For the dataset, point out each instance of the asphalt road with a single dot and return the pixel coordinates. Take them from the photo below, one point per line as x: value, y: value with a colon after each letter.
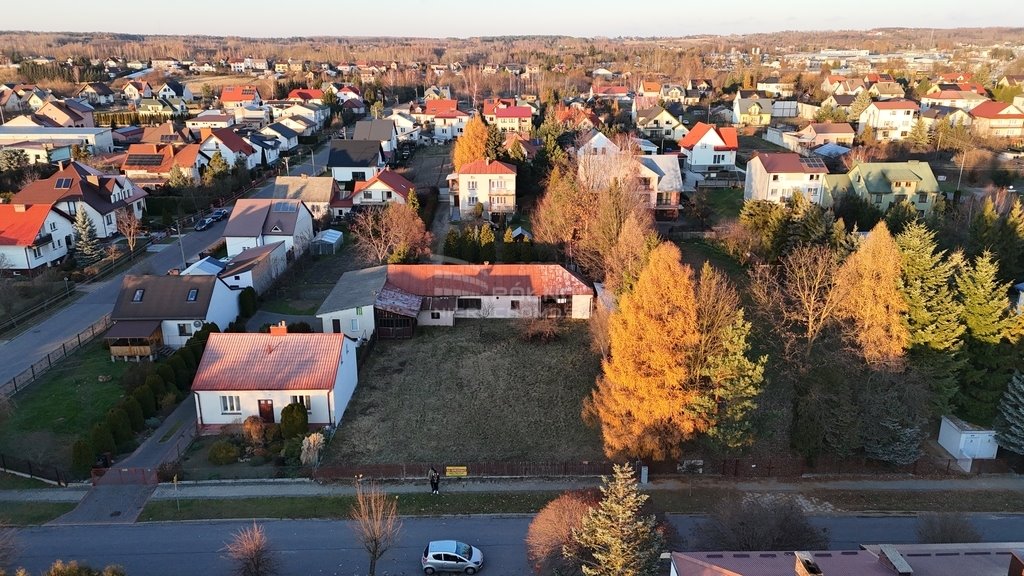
x: 309, y: 547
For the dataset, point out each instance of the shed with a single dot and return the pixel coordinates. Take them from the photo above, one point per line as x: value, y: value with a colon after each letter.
x: 327, y: 242
x: 967, y: 442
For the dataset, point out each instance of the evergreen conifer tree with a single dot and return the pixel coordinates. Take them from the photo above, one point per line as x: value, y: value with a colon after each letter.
x: 1010, y: 244
x: 452, y: 244
x: 1010, y: 422
x: 87, y: 245
x: 621, y: 541
x: 509, y: 247
x: 487, y: 250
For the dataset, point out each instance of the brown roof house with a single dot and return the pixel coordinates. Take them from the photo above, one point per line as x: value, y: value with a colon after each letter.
x: 316, y: 192
x: 156, y: 311
x: 258, y: 222
x: 391, y: 300
x: 255, y: 268
x: 244, y: 375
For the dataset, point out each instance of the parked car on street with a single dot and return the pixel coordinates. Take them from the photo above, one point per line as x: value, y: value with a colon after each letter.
x: 451, y: 556
x: 219, y: 214
x: 204, y: 224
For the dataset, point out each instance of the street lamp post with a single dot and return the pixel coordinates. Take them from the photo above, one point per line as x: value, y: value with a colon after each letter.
x: 67, y: 288
x: 181, y: 246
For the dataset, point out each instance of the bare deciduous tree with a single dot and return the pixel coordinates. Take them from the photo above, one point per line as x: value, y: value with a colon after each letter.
x: 752, y: 524
x: 550, y: 547
x: 379, y: 233
x: 250, y: 551
x: 377, y: 522
x: 946, y: 528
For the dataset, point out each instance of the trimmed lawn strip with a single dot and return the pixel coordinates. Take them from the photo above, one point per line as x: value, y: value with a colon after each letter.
x: 33, y: 513
x: 726, y: 203
x: 65, y: 402
x: 15, y: 482
x: 922, y: 500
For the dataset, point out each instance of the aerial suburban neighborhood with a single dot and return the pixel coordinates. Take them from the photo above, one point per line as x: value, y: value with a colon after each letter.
x: 586, y: 291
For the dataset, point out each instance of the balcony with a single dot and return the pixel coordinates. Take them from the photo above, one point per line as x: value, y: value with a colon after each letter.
x: 41, y: 240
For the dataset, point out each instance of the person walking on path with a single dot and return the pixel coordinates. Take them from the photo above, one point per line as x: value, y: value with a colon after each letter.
x: 435, y: 480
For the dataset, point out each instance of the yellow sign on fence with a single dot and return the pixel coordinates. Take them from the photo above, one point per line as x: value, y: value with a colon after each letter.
x: 456, y: 471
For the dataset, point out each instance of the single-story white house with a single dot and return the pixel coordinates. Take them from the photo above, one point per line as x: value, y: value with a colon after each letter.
x: 244, y: 375
x: 391, y: 300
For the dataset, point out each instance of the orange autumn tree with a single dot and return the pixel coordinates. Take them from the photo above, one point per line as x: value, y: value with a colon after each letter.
x: 872, y: 304
x: 472, y: 143
x: 645, y: 401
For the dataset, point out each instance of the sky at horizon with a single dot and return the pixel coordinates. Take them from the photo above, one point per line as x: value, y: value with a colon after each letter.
x: 465, y: 18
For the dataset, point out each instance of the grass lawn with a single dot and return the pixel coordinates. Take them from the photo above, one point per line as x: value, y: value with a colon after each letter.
x: 696, y: 252
x: 33, y: 513
x: 471, y: 393
x: 68, y: 399
x: 726, y: 203
x: 923, y: 500
x: 307, y: 283
x: 15, y: 482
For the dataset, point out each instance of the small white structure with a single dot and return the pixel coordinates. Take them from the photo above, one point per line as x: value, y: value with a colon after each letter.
x: 244, y: 375
x: 327, y: 242
x: 967, y: 442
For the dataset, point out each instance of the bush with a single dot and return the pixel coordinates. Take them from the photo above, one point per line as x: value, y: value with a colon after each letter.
x: 946, y: 528
x: 550, y: 546
x: 182, y: 375
x: 147, y: 401
x: 292, y: 452
x: 168, y: 401
x: 223, y: 452
x: 153, y: 423
x: 135, y: 417
x: 253, y: 430
x: 294, y: 422
x: 120, y: 426
x: 166, y: 372
x: 271, y: 433
x: 157, y: 384
x: 82, y: 455
x: 189, y: 357
x: 541, y: 330
x: 135, y: 375
x: 167, y: 471
x: 737, y: 524
x: 102, y: 439
x: 247, y: 302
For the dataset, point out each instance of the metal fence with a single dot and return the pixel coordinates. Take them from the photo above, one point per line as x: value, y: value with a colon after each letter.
x: 782, y: 467
x: 477, y: 470
x: 34, y: 469
x: 69, y: 346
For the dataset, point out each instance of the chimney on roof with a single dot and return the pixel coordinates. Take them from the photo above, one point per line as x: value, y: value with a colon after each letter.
x: 487, y: 160
x: 20, y: 208
x: 804, y: 565
x: 279, y: 329
x: 93, y: 179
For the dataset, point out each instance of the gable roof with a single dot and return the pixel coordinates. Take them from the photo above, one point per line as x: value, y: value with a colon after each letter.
x: 354, y: 289
x: 645, y: 116
x: 20, y: 224
x: 487, y: 166
x: 727, y: 135
x: 514, y: 112
x: 354, y: 153
x: 231, y: 140
x: 305, y: 94
x: 842, y: 100
x: 239, y: 93
x: 149, y: 157
x: 994, y: 110
x: 98, y: 87
x: 486, y: 279
x: 259, y: 361
x: 379, y: 130
x: 166, y: 133
x: 877, y: 178
x: 248, y: 258
x: 439, y: 105
x: 789, y: 163
x: 393, y: 180
x: 305, y: 188
x: 174, y: 86
x: 253, y: 217
x: 830, y: 128
x: 895, y: 104
x: 79, y: 182
x: 164, y: 297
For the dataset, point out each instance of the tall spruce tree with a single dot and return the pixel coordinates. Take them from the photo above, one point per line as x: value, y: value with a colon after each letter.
x: 860, y: 103
x: 983, y: 232
x: 989, y: 355
x: 933, y: 313
x: 1009, y: 244
x: 1010, y: 423
x: 87, y: 246
x: 487, y: 250
x: 621, y: 541
x: 920, y: 138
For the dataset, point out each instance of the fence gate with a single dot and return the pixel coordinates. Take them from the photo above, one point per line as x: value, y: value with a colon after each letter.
x: 124, y: 476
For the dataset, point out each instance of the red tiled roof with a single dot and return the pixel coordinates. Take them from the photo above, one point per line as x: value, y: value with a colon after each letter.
x: 269, y: 362
x: 484, y: 166
x: 491, y: 105
x: 616, y: 90
x: 514, y: 112
x: 451, y: 114
x: 786, y: 163
x: 238, y: 93
x: 700, y: 129
x: 482, y: 280
x: 20, y: 224
x: 305, y: 94
x: 233, y: 141
x: 134, y: 161
x: 186, y: 157
x: 435, y: 107
x: 992, y: 110
x: 649, y: 86
x: 895, y: 104
x: 393, y: 180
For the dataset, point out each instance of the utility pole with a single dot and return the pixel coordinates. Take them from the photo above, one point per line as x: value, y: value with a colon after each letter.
x: 181, y: 246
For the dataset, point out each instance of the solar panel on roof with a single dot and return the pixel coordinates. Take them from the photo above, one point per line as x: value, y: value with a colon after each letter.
x: 284, y: 207
x: 145, y: 160
x: 63, y: 183
x: 812, y: 162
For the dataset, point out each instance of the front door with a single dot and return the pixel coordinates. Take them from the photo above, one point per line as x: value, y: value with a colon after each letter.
x: 266, y: 411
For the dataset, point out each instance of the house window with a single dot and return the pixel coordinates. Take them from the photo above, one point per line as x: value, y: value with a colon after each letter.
x: 471, y: 200
x: 387, y: 195
x: 514, y: 304
x: 922, y: 198
x: 775, y: 177
x: 469, y: 304
x: 304, y: 400
x: 137, y: 297
x: 110, y: 219
x: 359, y: 176
x: 192, y: 295
x: 668, y: 132
x: 53, y: 226
x: 435, y: 315
x: 775, y: 191
x: 367, y: 195
x: 184, y: 330
x: 230, y: 405
x: 36, y: 252
x: 497, y: 184
x: 718, y: 159
x: 354, y: 325
x: 471, y: 185
x: 359, y: 311
x: 878, y: 198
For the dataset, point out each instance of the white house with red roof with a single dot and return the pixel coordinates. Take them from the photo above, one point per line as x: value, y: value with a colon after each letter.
x: 78, y: 186
x: 234, y: 96
x: 385, y: 187
x: 708, y: 147
x: 777, y: 176
x: 963, y: 99
x: 998, y: 119
x: 890, y: 119
x: 33, y: 236
x: 244, y: 375
x: 514, y: 119
x: 487, y: 182
x: 230, y: 145
x: 306, y: 95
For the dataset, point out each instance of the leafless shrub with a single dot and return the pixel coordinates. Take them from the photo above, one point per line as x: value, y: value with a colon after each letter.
x: 250, y: 551
x: 752, y: 524
x: 377, y: 522
x: 946, y: 528
x: 550, y: 547
x: 542, y: 330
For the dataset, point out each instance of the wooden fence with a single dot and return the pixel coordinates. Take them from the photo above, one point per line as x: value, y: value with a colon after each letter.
x: 69, y: 346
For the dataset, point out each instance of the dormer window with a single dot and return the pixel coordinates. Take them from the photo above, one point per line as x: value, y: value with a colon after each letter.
x: 137, y: 297
x: 192, y: 295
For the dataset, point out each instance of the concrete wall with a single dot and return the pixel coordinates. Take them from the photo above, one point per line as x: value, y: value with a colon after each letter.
x: 346, y: 380
x: 501, y: 307
x: 365, y: 323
